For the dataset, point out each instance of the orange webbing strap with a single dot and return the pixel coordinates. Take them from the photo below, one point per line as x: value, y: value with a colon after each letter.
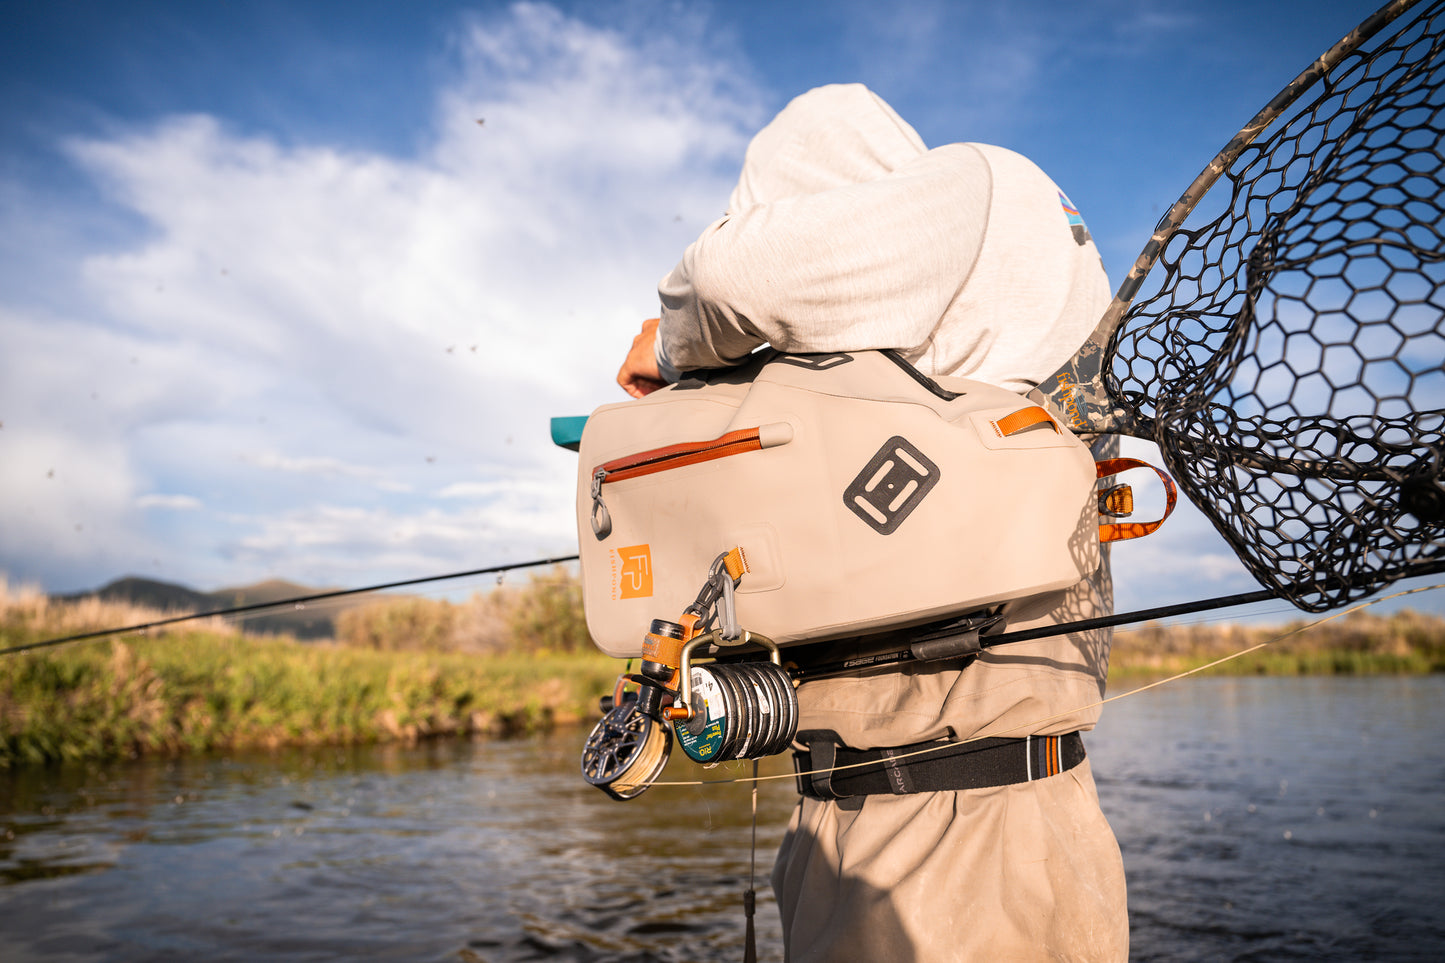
x: 1118, y: 531
x: 689, y: 623
x: 736, y: 563
x: 1023, y: 418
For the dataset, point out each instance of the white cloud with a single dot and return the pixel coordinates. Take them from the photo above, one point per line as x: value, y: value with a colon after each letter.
x: 303, y: 337
x: 352, y: 545
x: 315, y: 466
x: 175, y: 503
x: 471, y: 490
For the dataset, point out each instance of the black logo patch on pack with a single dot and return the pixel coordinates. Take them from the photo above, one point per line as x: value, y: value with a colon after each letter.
x: 814, y: 362
x: 891, y: 485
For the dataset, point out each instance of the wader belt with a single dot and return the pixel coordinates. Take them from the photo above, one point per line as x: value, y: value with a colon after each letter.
x: 966, y: 765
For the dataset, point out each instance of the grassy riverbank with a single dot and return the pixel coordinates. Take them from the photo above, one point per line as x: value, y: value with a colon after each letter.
x: 204, y: 690
x: 1360, y: 643
x: 192, y: 689
x: 510, y: 661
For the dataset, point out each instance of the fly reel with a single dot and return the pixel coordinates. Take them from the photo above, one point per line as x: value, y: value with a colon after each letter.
x: 625, y: 751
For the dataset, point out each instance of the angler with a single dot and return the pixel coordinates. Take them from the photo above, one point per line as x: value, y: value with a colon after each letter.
x: 881, y: 468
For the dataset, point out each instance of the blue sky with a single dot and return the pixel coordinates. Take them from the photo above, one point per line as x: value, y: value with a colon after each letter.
x: 292, y: 289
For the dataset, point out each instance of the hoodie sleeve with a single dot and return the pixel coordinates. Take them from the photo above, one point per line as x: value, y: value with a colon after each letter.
x: 859, y: 266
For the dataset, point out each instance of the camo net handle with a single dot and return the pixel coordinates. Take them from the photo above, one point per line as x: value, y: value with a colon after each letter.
x: 1286, y: 348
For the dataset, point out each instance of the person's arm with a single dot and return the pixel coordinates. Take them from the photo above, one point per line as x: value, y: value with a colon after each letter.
x: 872, y: 265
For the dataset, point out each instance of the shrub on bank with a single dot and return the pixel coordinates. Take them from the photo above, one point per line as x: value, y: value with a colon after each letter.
x: 542, y: 615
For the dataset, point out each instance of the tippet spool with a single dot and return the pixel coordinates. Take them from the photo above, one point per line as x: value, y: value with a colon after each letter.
x: 704, y: 737
x: 741, y: 710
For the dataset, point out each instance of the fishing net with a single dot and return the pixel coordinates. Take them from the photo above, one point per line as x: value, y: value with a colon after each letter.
x: 1286, y: 349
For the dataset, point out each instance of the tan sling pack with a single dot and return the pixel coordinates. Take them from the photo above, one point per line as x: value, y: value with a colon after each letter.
x: 864, y: 496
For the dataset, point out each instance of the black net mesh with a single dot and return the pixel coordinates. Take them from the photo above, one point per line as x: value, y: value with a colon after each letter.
x: 1286, y: 351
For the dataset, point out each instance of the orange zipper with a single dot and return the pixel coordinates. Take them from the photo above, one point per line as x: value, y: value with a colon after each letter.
x: 678, y: 456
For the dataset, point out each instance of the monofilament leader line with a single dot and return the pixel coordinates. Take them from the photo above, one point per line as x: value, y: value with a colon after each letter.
x: 282, y: 603
x: 993, y: 734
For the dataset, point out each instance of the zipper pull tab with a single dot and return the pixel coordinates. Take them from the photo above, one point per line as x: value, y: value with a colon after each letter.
x: 601, y: 517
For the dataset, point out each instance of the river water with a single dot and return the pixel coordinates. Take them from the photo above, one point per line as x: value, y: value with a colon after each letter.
x: 1261, y: 819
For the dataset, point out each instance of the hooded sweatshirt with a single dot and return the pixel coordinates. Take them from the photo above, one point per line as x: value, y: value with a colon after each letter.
x: 846, y: 233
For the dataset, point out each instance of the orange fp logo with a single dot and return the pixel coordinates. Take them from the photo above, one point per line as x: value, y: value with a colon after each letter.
x: 632, y: 572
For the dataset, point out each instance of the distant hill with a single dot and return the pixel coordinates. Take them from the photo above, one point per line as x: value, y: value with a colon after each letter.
x: 311, y: 622
x: 150, y: 594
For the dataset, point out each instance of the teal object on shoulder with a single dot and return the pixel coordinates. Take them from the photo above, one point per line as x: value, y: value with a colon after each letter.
x: 567, y: 432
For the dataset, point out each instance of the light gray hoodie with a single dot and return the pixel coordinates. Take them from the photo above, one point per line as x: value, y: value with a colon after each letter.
x: 846, y: 233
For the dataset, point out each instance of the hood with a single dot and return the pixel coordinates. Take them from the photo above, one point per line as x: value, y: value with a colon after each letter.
x: 828, y: 137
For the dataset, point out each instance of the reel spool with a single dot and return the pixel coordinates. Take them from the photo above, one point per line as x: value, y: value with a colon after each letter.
x: 741, y: 710
x: 626, y: 751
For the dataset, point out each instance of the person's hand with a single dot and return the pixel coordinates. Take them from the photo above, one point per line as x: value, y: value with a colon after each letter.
x: 638, y: 375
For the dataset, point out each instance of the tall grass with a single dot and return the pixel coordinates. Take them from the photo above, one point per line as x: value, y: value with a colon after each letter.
x: 190, y: 689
